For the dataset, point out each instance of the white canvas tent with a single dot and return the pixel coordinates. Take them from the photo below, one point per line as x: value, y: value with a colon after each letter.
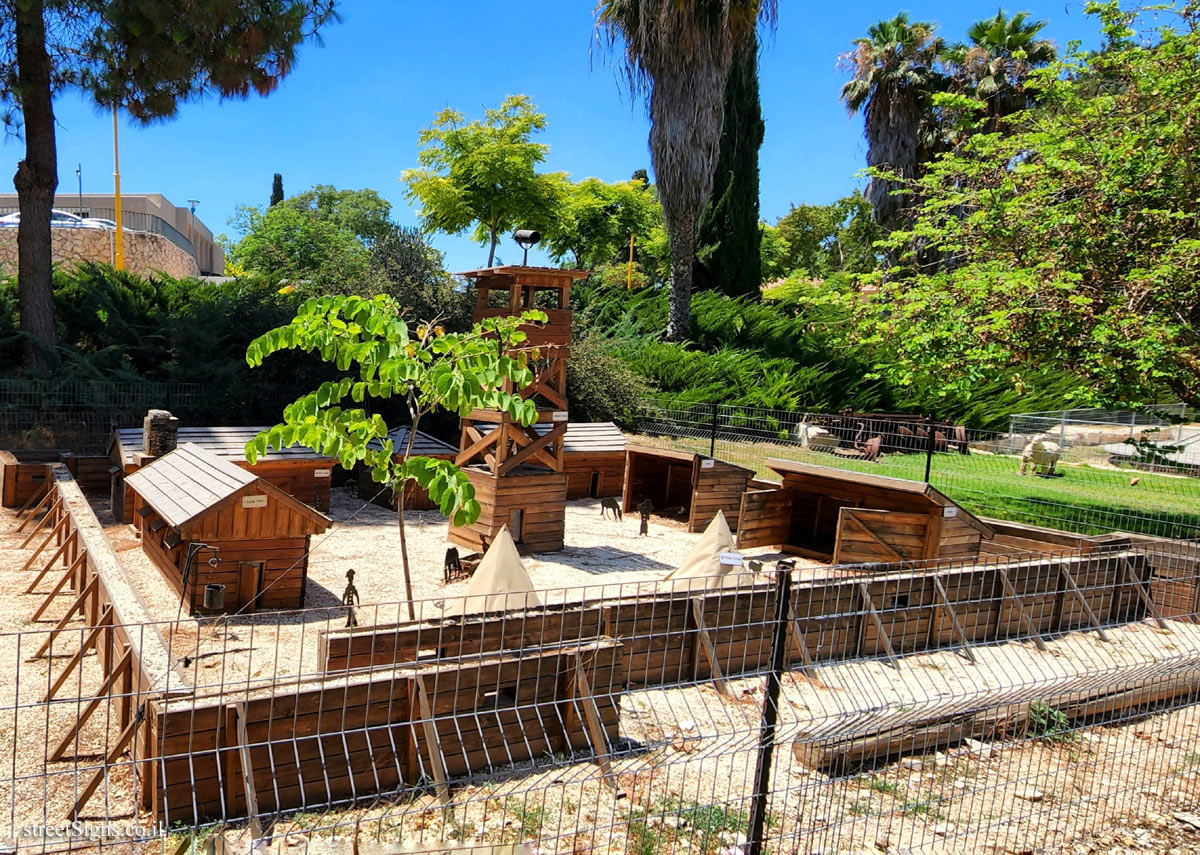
x: 499, y: 583
x: 703, y: 568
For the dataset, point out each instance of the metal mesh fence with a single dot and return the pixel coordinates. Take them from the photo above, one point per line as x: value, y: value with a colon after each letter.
x: 1084, y: 479
x: 1015, y: 704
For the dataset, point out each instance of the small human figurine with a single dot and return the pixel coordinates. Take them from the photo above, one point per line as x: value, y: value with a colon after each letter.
x: 645, y: 506
x: 350, y: 599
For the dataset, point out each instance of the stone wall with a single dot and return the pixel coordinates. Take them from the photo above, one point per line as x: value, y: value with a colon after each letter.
x: 145, y: 252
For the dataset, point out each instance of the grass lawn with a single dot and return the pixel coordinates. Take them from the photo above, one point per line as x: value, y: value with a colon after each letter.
x: 1087, y: 498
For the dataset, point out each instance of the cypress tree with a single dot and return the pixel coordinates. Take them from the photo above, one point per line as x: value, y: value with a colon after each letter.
x: 277, y: 190
x: 728, y: 235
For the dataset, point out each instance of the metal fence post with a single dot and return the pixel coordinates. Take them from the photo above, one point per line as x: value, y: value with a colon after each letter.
x: 770, y: 713
x: 931, y: 426
x: 712, y: 442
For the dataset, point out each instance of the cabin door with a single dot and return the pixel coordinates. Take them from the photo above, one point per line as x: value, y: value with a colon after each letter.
x: 250, y: 580
x: 764, y: 519
x: 865, y: 535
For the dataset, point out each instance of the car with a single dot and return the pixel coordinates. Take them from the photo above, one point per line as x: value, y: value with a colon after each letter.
x: 57, y: 218
x: 100, y: 223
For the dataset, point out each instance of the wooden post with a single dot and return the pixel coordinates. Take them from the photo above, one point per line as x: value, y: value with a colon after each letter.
x: 799, y: 641
x: 65, y: 619
x: 878, y: 621
x: 256, y: 830
x: 1078, y: 594
x: 591, y: 714
x: 1144, y: 595
x: 944, y: 603
x: 111, y: 758
x: 58, y: 586
x: 436, y: 758
x: 87, y: 645
x: 708, y: 648
x: 62, y: 550
x: 54, y: 531
x: 40, y: 505
x: 38, y: 496
x: 1026, y: 620
x: 102, y: 694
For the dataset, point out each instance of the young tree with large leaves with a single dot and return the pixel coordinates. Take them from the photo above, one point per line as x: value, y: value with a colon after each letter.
x: 382, y: 356
x: 895, y: 75
x: 484, y: 174
x: 680, y: 53
x: 146, y: 58
x: 1072, y: 241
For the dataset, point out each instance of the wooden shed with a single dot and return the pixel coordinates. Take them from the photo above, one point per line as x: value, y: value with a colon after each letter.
x: 193, y: 501
x: 24, y: 473
x: 684, y: 483
x: 853, y: 517
x: 415, y: 499
x: 299, y: 471
x: 593, y: 458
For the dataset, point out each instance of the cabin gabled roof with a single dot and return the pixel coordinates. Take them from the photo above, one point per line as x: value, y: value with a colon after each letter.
x: 883, y: 482
x: 226, y: 442
x: 191, y: 481
x: 424, y: 445
x: 685, y: 456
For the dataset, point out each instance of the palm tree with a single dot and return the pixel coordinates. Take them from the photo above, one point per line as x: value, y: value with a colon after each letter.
x: 995, y: 62
x: 895, y: 74
x: 680, y: 52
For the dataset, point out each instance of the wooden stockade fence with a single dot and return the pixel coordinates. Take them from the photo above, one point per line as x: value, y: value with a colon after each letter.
x: 679, y: 636
x: 352, y: 736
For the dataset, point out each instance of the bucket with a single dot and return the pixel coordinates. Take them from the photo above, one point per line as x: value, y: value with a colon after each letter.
x: 214, y: 597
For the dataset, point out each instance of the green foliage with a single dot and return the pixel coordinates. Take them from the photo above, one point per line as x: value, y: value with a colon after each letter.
x: 600, y: 385
x: 363, y: 213
x: 822, y: 240
x: 484, y: 174
x: 380, y: 357
x: 276, y: 190
x: 290, y: 245
x: 594, y: 221
x: 1049, y: 724
x: 728, y: 234
x: 1072, y: 242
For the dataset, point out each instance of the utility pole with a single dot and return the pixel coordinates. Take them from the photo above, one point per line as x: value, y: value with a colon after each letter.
x: 629, y: 273
x: 119, y: 260
x: 79, y: 178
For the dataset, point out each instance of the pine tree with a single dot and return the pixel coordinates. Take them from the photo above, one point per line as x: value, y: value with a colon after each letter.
x: 729, y: 236
x: 276, y: 190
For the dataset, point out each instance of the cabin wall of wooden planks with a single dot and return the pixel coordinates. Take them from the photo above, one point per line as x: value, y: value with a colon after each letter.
x: 606, y: 470
x: 701, y: 486
x: 262, y: 553
x: 835, y: 620
x: 538, y: 495
x: 360, y: 736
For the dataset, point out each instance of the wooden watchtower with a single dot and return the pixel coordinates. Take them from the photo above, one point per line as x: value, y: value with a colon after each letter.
x: 517, y: 471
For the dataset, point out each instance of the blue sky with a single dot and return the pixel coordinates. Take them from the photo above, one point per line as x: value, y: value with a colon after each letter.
x: 350, y: 113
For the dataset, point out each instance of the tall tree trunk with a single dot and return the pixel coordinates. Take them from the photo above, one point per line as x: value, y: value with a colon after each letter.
x: 36, y: 181
x: 492, y: 248
x: 682, y: 233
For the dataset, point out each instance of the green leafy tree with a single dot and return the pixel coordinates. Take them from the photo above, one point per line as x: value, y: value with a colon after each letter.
x: 147, y: 58
x: 363, y: 213
x: 825, y: 239
x: 728, y: 240
x: 289, y: 245
x: 680, y: 54
x: 596, y: 219
x: 773, y: 253
x: 382, y: 356
x: 484, y: 174
x: 1071, y: 242
x: 276, y: 190
x: 895, y: 74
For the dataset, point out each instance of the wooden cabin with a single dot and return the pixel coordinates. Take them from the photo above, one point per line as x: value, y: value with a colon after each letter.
x: 684, y: 484
x: 194, y: 502
x: 415, y: 498
x: 856, y: 517
x: 299, y: 471
x: 593, y: 458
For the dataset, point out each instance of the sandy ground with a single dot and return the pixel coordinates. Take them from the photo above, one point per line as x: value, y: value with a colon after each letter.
x: 603, y: 558
x: 688, y: 758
